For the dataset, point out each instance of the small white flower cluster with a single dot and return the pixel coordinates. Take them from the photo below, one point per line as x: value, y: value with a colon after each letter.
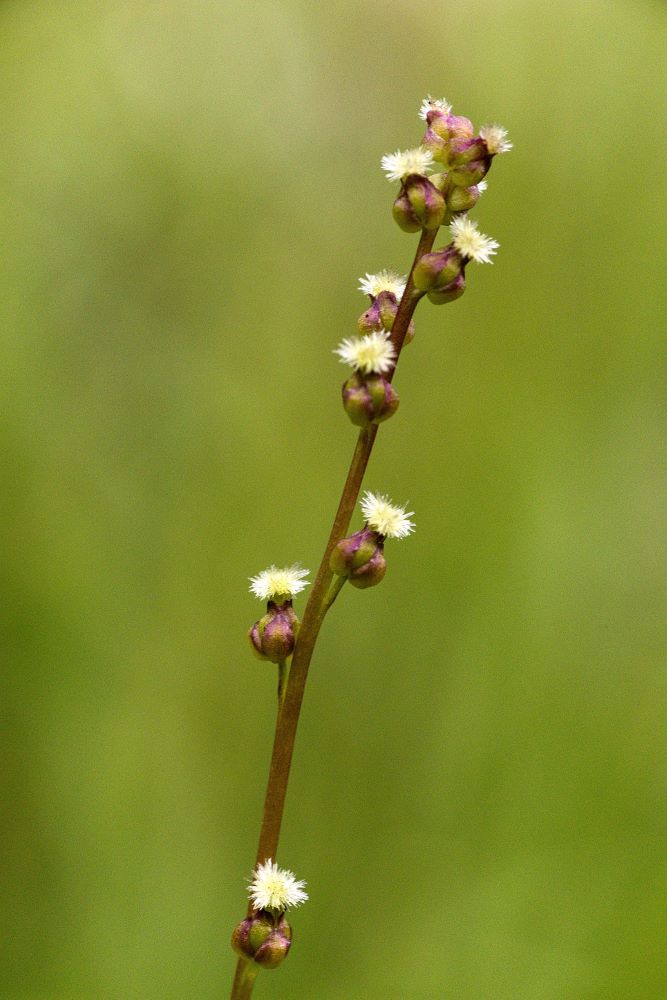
x: 430, y: 104
x: 407, y: 161
x: 274, y: 888
x: 275, y: 582
x: 383, y: 281
x: 470, y: 243
x: 495, y: 138
x: 373, y: 354
x: 386, y: 518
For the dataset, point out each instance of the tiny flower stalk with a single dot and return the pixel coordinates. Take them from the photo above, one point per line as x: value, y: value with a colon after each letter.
x: 426, y: 200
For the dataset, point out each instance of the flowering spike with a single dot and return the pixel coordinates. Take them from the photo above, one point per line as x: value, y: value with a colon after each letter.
x: 402, y: 163
x: 373, y: 353
x: 275, y: 889
x: 470, y: 242
x: 384, y: 517
x: 273, y: 582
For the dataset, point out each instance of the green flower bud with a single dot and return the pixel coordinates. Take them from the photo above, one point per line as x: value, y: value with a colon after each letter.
x: 437, y: 269
x: 419, y: 205
x: 369, y: 399
x: 468, y: 174
x: 360, y: 558
x: 440, y: 296
x: 263, y: 938
x: 273, y: 636
x: 462, y: 199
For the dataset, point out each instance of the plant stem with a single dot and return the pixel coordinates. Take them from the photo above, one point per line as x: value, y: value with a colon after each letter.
x: 316, y: 608
x: 283, y: 674
x: 244, y: 979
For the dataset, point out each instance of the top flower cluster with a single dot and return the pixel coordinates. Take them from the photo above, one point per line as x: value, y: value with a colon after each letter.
x: 430, y: 197
x: 449, y: 139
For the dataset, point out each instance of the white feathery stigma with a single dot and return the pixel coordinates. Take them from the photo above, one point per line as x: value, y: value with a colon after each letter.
x: 431, y: 104
x: 407, y: 161
x: 495, y: 137
x: 470, y: 243
x: 384, y: 517
x: 482, y: 186
x: 275, y: 582
x: 383, y: 281
x: 274, y: 888
x: 372, y: 354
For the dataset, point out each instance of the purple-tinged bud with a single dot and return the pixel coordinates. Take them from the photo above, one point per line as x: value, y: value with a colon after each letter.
x: 360, y: 558
x: 419, y: 205
x: 437, y: 144
x: 459, y: 127
x: 381, y: 315
x: 440, y: 296
x: 462, y: 199
x: 437, y: 269
x: 466, y: 150
x: 273, y: 636
x: 263, y: 938
x: 468, y: 174
x: 442, y: 130
x: 369, y: 399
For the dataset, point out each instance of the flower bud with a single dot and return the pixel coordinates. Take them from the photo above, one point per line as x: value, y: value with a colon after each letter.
x: 381, y: 315
x: 360, y: 558
x: 263, y: 938
x: 273, y: 636
x: 438, y: 269
x: 442, y: 130
x: 464, y: 150
x: 456, y: 288
x: 462, y: 199
x: 369, y: 399
x: 419, y: 205
x: 468, y: 174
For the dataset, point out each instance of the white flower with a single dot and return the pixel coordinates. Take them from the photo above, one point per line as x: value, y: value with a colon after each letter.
x: 430, y: 104
x: 274, y: 582
x: 495, y: 138
x: 470, y: 242
x: 482, y: 186
x: 383, y: 281
x: 408, y: 161
x: 384, y: 517
x: 373, y: 353
x: 274, y: 888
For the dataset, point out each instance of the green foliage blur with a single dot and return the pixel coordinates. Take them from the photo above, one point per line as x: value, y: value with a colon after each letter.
x: 478, y: 803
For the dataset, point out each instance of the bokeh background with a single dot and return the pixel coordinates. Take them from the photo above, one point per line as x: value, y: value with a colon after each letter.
x: 189, y: 194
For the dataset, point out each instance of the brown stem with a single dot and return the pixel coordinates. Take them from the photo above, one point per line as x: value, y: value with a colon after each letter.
x: 288, y: 717
x: 316, y: 608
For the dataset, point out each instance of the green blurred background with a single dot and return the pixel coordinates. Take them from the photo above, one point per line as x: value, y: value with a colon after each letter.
x: 478, y: 803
